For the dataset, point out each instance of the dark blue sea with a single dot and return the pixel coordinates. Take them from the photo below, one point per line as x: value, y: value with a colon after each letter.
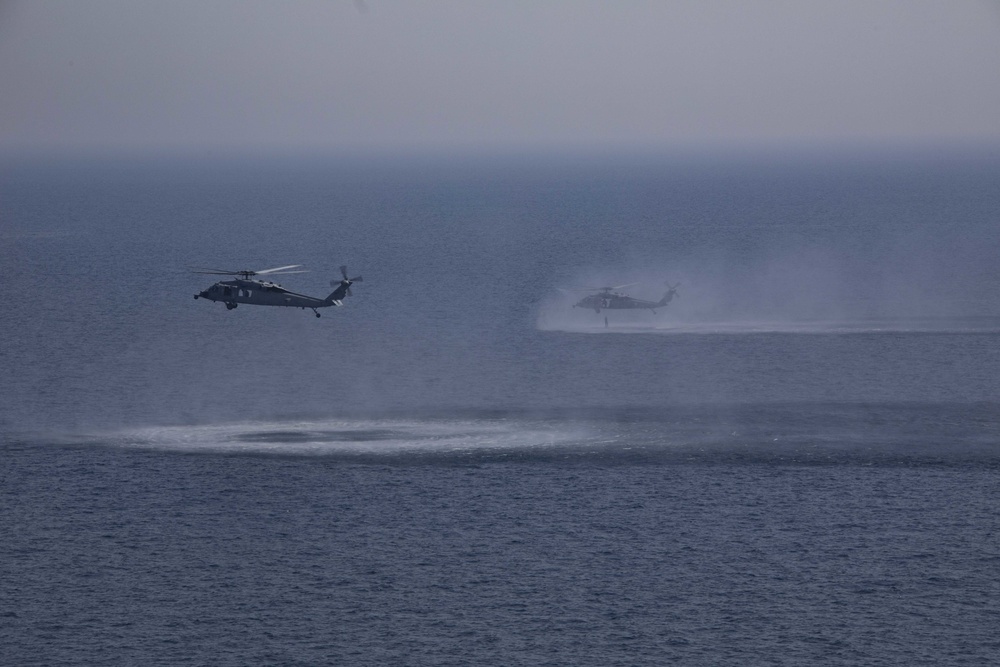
x: 797, y: 461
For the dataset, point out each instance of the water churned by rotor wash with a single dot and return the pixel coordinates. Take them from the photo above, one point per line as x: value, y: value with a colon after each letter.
x: 385, y: 438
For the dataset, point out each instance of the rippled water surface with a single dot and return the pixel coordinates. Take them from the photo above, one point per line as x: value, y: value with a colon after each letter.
x: 796, y: 462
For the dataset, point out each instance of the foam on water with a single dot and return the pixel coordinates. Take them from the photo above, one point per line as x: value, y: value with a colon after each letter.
x: 782, y: 433
x: 863, y: 326
x: 367, y: 437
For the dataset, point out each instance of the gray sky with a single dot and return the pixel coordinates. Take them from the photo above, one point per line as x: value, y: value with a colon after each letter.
x: 387, y: 74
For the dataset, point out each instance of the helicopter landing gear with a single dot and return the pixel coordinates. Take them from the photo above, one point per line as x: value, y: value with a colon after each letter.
x: 316, y: 311
x: 230, y: 306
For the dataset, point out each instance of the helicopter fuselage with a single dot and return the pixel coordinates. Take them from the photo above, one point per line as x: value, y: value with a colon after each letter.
x: 263, y: 293
x: 607, y: 300
x: 614, y: 301
x: 246, y: 289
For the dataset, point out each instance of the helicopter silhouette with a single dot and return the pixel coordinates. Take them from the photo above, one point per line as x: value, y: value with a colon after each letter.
x: 609, y: 298
x: 245, y: 289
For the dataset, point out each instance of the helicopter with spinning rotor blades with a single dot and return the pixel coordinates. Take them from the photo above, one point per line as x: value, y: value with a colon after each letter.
x: 609, y: 298
x: 248, y: 290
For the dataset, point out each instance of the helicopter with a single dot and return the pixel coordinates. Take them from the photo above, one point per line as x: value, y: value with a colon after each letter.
x: 609, y: 298
x: 246, y: 289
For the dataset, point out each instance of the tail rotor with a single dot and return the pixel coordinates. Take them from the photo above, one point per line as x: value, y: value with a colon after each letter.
x: 346, y: 282
x: 671, y: 293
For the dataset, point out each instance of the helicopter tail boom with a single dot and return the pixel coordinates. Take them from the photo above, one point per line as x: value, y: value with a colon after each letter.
x: 671, y: 293
x: 336, y: 297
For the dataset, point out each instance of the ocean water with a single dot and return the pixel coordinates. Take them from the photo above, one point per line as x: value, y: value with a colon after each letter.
x: 795, y: 462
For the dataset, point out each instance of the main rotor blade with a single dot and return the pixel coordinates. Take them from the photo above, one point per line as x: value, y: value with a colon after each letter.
x: 604, y: 289
x: 217, y: 272
x: 282, y: 273
x: 278, y: 268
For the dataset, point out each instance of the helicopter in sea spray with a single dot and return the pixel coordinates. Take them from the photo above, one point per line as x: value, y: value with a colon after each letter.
x: 609, y: 298
x: 248, y: 290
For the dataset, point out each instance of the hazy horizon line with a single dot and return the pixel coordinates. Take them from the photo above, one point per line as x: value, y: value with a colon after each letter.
x: 986, y: 147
